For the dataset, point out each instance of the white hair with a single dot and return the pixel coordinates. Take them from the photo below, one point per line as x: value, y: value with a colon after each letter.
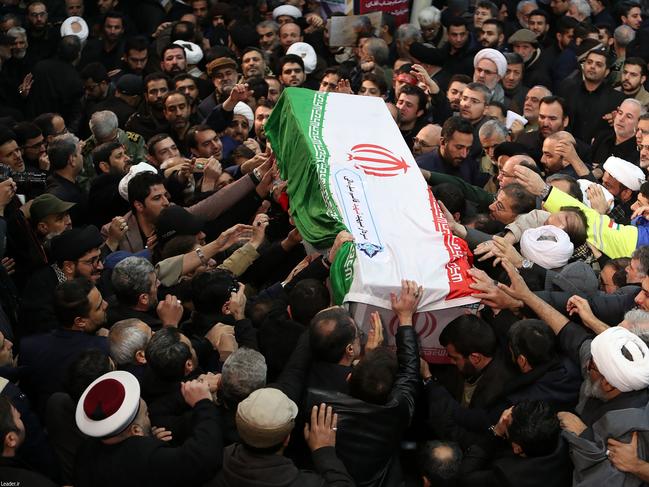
x: 429, y: 16
x: 582, y: 7
x: 103, y: 124
x: 623, y: 35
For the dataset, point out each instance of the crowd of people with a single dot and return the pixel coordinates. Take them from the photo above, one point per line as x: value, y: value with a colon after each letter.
x: 163, y: 324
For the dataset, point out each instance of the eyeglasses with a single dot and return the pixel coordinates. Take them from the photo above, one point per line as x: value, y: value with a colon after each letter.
x: 486, y: 72
x: 423, y: 143
x: 94, y: 262
x: 36, y: 145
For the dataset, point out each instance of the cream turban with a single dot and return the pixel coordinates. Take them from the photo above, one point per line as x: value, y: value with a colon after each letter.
x: 584, y: 184
x: 289, y: 10
x: 625, y: 374
x: 244, y: 110
x: 75, y: 26
x: 547, y: 246
x: 307, y: 53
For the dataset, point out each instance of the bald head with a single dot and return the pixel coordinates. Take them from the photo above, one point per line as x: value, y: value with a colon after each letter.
x: 427, y: 139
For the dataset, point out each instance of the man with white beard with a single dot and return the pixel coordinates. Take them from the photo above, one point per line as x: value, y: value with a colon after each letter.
x: 612, y: 411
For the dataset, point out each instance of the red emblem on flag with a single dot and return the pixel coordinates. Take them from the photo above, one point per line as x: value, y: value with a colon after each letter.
x: 424, y: 324
x: 375, y: 160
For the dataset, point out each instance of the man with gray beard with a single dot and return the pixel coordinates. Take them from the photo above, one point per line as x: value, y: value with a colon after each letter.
x: 613, y: 402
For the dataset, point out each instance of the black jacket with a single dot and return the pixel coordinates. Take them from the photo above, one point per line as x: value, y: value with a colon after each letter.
x: 143, y: 461
x: 15, y: 472
x: 105, y: 200
x: 369, y: 435
x: 243, y: 468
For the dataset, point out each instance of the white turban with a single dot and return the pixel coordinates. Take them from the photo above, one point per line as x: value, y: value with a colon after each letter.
x: 625, y: 374
x: 625, y: 172
x: 494, y: 56
x: 75, y: 26
x: 136, y: 169
x: 307, y: 53
x: 289, y: 10
x: 245, y: 111
x: 193, y: 53
x: 584, y: 184
x: 548, y: 246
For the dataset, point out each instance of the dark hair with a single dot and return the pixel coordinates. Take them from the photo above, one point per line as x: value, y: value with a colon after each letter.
x: 174, y: 92
x: 534, y: 427
x: 501, y: 106
x: 307, y: 298
x: 331, y: 330
x: 190, y: 136
x: 456, y: 124
x: 153, y: 141
x: 136, y: 43
x: 534, y: 340
x: 574, y: 189
x: 565, y: 24
x: 24, y: 131
x: 183, y: 31
x: 139, y: 187
x: 212, y: 290
x: 182, y: 77
x: 96, y: 72
x: 258, y: 86
x: 422, y: 99
x: 469, y: 334
x: 452, y: 197
x: 171, y: 46
x: 44, y: 121
x: 373, y: 377
x: 7, y: 424
x: 102, y: 153
x: 88, y: 366
x: 379, y: 81
x: 619, y: 266
x: 166, y: 354
x: 457, y: 22
x: 113, y: 14
x: 500, y: 25
x: 290, y: 58
x: 460, y: 78
x: 579, y: 235
x: 637, y: 61
x: 540, y: 13
x: 550, y: 99
x: 488, y: 5
x: 623, y: 8
x: 607, y: 27
x: 71, y: 300
x: 440, y: 470
x: 155, y: 77
x: 69, y: 48
x: 513, y: 58
x: 522, y: 200
x: 389, y: 20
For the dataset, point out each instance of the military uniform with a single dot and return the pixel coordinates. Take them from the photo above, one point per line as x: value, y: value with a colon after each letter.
x: 134, y: 144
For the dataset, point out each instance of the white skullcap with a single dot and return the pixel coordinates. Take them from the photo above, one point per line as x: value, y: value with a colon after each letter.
x: 584, y: 184
x: 244, y: 110
x: 494, y: 56
x: 307, y: 53
x: 548, y: 246
x: 608, y: 350
x: 136, y: 169
x: 81, y: 31
x: 289, y: 10
x: 625, y: 172
x: 193, y: 52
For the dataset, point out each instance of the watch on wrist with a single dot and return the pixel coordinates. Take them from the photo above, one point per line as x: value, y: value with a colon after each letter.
x: 545, y: 192
x: 527, y: 264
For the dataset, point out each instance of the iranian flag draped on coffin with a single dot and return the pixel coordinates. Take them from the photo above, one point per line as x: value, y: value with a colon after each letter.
x: 348, y: 168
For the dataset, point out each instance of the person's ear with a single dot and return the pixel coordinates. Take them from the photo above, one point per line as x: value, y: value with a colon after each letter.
x: 80, y: 322
x: 516, y: 448
x: 475, y: 358
x: 41, y: 227
x: 189, y: 366
x: 104, y: 167
x: 626, y: 194
x: 225, y: 309
x: 11, y: 440
x: 69, y: 267
x: 566, y: 121
x: 419, y: 113
x: 522, y: 363
x: 289, y: 311
x: 143, y: 299
x: 425, y: 481
x: 139, y: 207
x: 140, y: 357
